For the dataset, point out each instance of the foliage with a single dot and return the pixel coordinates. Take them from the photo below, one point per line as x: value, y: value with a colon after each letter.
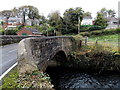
x: 95, y: 57
x: 101, y: 32
x: 36, y: 79
x: 107, y: 40
x: 55, y: 20
x: 30, y: 11
x: 70, y: 18
x: 8, y: 32
x: 107, y: 13
x: 84, y: 28
x: 10, y: 80
x: 87, y: 14
x: 100, y: 20
x: 104, y: 38
x: 1, y: 31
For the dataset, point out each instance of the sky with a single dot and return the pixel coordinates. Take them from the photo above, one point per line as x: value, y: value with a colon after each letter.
x: 47, y: 6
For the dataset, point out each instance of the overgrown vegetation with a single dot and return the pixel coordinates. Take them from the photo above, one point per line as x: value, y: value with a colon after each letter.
x: 84, y: 28
x: 36, y: 79
x: 101, y: 32
x: 96, y: 57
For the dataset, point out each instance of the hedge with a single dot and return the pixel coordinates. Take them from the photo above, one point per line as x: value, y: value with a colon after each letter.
x: 85, y: 28
x: 101, y: 32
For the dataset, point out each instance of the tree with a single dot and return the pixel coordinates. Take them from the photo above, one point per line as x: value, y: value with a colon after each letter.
x: 101, y: 20
x: 73, y: 18
x: 7, y: 13
x: 104, y: 12
x: 107, y: 13
x: 87, y: 14
x: 42, y: 20
x: 15, y: 12
x: 55, y: 20
x: 30, y: 11
x: 111, y: 13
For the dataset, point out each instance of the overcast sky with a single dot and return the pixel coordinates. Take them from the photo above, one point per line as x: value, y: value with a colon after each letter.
x: 47, y: 6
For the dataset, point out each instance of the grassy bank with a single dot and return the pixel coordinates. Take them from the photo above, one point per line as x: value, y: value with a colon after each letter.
x: 36, y: 79
x: 95, y: 58
x: 106, y: 40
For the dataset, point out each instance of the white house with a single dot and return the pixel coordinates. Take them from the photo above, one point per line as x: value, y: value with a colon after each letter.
x: 87, y: 20
x: 112, y: 23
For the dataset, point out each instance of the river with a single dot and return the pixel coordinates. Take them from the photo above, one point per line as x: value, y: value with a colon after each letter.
x: 63, y: 78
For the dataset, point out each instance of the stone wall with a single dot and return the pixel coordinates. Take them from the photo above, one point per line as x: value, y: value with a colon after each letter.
x: 9, y: 39
x: 35, y: 53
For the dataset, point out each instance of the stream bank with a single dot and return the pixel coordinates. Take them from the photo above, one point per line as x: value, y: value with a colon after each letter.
x: 90, y: 67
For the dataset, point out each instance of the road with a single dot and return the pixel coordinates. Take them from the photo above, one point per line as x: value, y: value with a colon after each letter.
x: 8, y: 57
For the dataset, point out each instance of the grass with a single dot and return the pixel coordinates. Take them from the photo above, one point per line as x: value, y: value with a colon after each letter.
x: 9, y: 81
x: 106, y: 40
x: 35, y: 79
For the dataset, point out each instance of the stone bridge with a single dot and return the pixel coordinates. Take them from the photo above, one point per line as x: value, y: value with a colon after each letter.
x: 37, y: 53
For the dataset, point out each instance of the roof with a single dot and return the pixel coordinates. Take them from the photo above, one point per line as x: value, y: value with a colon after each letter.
x: 35, y: 31
x: 113, y: 19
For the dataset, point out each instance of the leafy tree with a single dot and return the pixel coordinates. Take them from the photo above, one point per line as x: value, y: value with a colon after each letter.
x: 104, y: 12
x: 87, y: 14
x: 7, y: 13
x: 111, y: 13
x: 101, y: 20
x: 107, y: 13
x: 55, y: 20
x: 30, y: 11
x: 42, y: 20
x: 71, y: 17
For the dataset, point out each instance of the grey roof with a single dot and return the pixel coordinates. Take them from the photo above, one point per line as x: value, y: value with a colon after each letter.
x: 113, y: 19
x: 35, y: 31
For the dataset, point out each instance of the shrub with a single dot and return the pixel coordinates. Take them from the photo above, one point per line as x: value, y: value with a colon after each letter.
x: 91, y: 28
x: 101, y: 32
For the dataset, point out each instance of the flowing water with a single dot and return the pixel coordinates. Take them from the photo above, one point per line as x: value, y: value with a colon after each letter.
x: 70, y: 78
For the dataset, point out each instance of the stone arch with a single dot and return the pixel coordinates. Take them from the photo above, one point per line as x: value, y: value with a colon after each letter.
x: 55, y: 59
x: 60, y: 56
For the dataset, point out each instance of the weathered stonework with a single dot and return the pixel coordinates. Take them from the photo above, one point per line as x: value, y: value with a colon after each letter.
x: 36, y: 53
x: 10, y: 39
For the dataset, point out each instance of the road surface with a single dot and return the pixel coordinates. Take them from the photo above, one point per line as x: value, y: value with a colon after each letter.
x: 8, y: 57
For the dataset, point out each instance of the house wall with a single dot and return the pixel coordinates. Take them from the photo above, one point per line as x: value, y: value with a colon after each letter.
x: 87, y: 22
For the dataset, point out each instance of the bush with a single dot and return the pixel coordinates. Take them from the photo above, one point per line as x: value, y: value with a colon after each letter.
x: 1, y: 31
x: 91, y: 28
x: 101, y: 32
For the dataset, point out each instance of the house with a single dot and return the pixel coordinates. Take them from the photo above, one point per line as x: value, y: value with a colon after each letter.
x: 87, y: 20
x: 11, y: 21
x: 14, y: 21
x: 30, y: 21
x: 29, y: 31
x: 112, y: 23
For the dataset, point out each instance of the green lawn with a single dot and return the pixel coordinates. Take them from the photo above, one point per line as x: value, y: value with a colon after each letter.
x: 106, y: 38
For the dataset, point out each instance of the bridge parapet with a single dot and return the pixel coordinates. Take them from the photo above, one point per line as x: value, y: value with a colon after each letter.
x: 10, y: 39
x: 35, y: 53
